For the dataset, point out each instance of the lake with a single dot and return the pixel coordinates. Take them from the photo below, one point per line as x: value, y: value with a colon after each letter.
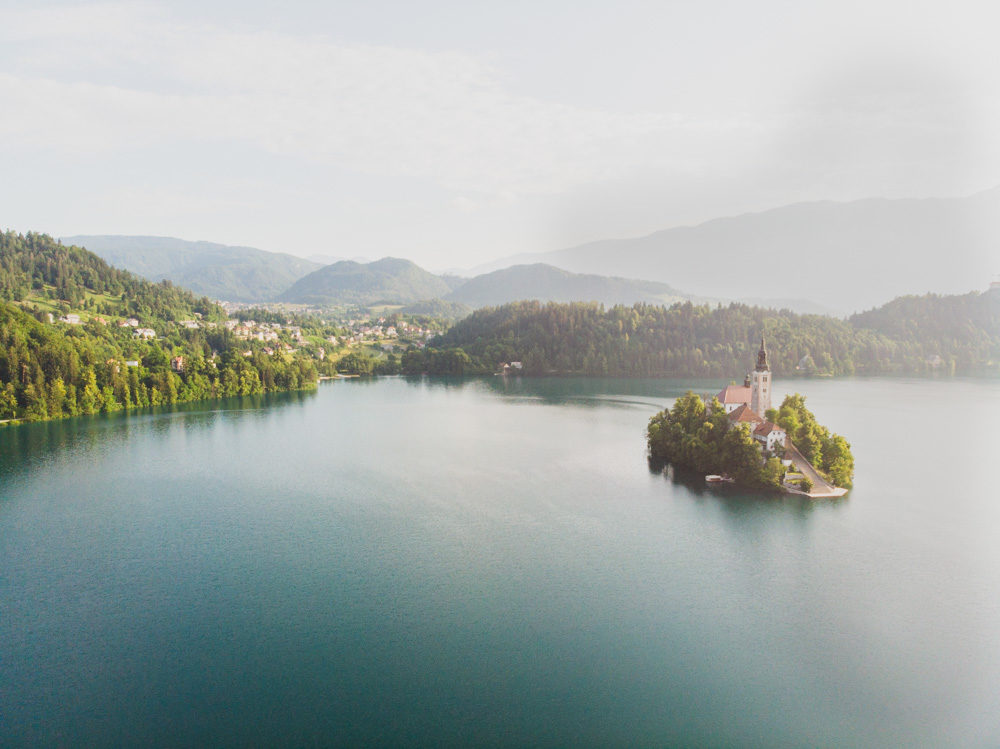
x: 492, y: 561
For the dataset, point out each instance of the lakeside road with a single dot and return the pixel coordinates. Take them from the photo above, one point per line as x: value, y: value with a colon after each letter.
x: 821, y: 487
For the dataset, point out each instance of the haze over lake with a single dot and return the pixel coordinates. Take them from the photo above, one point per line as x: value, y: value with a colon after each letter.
x: 479, y: 561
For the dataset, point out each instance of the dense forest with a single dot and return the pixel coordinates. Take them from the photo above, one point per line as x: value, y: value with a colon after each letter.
x: 66, y: 347
x: 963, y: 336
x: 964, y: 330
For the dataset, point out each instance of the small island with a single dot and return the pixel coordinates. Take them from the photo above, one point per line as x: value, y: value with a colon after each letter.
x: 737, y: 437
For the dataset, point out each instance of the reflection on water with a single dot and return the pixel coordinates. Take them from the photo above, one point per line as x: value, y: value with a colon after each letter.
x: 26, y: 447
x: 739, y: 501
x: 581, y: 391
x: 425, y: 561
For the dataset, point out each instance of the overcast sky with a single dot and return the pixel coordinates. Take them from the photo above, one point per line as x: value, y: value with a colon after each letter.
x: 455, y: 133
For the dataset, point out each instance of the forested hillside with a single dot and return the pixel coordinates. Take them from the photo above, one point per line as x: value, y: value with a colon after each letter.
x: 389, y: 280
x: 236, y: 274
x: 691, y: 340
x: 36, y: 269
x: 78, y: 336
x: 964, y: 329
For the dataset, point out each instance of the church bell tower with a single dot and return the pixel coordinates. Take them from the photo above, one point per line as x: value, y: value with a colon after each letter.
x: 760, y: 383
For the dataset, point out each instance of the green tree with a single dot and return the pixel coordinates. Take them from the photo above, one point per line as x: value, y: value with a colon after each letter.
x: 8, y: 402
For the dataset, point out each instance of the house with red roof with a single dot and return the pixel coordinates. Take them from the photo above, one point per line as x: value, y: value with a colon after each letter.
x: 769, y: 435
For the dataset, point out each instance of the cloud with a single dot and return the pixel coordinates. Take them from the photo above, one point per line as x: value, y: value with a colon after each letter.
x: 112, y: 77
x: 324, y: 135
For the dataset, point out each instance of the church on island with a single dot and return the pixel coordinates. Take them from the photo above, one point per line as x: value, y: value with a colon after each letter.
x: 740, y: 438
x: 749, y: 403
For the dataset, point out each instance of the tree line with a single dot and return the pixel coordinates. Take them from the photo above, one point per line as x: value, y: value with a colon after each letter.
x: 704, y: 341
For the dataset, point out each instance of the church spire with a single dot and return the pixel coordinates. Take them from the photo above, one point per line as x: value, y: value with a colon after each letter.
x: 762, y: 365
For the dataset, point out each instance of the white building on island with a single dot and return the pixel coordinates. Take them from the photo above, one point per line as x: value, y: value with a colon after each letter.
x: 749, y: 404
x: 755, y: 392
x: 769, y: 435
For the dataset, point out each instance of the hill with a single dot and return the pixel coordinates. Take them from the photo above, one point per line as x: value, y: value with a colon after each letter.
x: 236, y: 274
x: 40, y: 274
x: 962, y: 330
x: 438, y: 309
x: 386, y: 281
x: 843, y: 256
x: 547, y: 283
x: 702, y: 341
x: 78, y: 336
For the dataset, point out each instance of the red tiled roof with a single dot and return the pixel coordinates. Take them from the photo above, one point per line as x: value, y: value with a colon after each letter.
x: 744, y: 413
x: 766, y: 427
x: 734, y: 394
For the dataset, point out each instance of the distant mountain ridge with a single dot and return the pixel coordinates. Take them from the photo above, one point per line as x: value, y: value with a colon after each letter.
x: 225, y: 272
x: 842, y: 256
x: 389, y: 280
x: 819, y: 258
x: 547, y: 283
x: 247, y: 274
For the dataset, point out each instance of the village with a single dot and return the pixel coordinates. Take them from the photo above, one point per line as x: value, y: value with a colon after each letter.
x: 310, y: 336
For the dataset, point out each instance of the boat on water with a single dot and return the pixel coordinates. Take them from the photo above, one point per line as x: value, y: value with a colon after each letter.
x: 714, y: 478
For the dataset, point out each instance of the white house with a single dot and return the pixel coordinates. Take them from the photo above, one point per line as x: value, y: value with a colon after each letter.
x: 769, y: 435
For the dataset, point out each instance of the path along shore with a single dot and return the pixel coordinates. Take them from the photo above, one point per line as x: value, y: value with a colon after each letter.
x: 821, y: 488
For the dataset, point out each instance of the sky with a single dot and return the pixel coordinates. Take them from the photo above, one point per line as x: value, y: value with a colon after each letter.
x: 454, y: 133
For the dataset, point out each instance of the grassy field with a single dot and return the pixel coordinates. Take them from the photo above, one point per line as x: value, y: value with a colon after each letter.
x: 41, y: 299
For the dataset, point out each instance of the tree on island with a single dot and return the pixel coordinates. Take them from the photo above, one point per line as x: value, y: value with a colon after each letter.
x: 829, y: 453
x: 699, y: 438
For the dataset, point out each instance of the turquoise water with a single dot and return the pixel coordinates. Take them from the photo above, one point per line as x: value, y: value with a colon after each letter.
x: 484, y: 561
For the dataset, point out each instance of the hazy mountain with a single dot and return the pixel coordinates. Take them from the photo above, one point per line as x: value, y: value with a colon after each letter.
x: 321, y: 259
x: 401, y: 281
x: 453, y: 280
x: 547, y: 283
x: 842, y: 256
x: 390, y: 280
x: 939, y: 322
x: 239, y: 274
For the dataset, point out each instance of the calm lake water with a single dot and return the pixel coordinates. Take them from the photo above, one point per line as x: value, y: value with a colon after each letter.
x: 481, y: 561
